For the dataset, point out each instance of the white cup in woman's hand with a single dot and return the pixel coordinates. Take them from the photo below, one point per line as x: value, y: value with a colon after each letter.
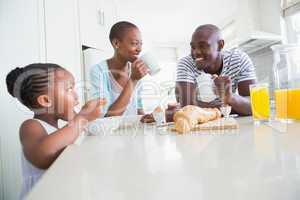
x: 151, y: 63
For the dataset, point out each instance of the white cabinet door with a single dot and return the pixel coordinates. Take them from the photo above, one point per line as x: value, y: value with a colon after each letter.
x: 21, y: 36
x: 96, y: 19
x: 63, y: 38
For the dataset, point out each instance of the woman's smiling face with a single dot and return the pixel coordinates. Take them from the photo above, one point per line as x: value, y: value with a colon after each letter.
x: 130, y: 46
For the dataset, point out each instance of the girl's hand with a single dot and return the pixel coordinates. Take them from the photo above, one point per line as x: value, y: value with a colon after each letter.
x: 138, y: 70
x: 91, y: 110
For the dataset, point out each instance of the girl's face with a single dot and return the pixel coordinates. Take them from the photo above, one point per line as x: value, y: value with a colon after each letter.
x: 130, y: 46
x: 64, y: 95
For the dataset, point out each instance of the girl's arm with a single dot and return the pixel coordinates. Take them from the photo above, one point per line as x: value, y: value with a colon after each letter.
x: 42, y: 149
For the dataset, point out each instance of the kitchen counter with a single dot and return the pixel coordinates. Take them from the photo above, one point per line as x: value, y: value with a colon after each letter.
x: 253, y: 162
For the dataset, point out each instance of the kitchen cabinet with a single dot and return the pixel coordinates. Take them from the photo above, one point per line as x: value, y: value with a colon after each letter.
x: 254, y: 26
x: 96, y: 18
x: 62, y: 37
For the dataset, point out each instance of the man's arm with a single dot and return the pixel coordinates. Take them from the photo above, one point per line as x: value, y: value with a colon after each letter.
x: 186, y: 94
x: 240, y: 103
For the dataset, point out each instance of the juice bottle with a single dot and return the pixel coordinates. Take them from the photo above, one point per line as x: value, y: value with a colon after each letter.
x: 286, y: 67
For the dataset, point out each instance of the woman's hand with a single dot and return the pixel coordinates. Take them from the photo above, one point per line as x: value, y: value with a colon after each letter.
x: 138, y: 70
x: 148, y: 118
x: 92, y: 109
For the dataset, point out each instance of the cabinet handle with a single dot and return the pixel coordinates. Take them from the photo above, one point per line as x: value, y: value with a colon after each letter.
x: 101, y: 18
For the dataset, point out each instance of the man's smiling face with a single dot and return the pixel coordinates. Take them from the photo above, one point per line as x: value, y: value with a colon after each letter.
x: 205, y: 48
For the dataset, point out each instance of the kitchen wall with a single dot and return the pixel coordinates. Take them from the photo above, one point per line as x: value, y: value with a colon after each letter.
x: 173, y: 21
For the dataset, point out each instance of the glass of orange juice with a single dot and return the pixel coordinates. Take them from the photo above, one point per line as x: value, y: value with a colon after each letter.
x: 260, y: 102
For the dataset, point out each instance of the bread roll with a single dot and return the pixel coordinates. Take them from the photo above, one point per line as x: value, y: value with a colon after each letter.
x: 189, y: 116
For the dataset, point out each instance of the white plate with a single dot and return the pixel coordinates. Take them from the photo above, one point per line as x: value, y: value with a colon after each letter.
x: 130, y: 121
x: 104, y: 125
x: 109, y: 124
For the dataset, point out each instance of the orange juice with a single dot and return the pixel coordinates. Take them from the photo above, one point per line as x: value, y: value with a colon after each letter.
x: 294, y: 103
x: 287, y: 103
x: 281, y: 100
x: 260, y: 103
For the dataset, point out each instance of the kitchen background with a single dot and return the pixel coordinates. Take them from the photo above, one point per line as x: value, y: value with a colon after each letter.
x: 74, y: 33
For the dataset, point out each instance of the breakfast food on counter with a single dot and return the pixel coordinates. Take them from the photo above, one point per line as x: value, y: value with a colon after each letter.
x: 147, y: 118
x: 218, y: 124
x: 189, y: 116
x: 171, y: 110
x: 156, y: 116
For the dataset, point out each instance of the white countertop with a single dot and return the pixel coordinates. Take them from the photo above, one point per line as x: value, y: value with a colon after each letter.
x: 254, y: 162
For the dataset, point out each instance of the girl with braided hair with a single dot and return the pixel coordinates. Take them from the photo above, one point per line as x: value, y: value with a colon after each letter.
x: 48, y: 91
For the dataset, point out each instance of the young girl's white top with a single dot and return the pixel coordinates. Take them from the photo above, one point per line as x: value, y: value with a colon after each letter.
x: 32, y: 174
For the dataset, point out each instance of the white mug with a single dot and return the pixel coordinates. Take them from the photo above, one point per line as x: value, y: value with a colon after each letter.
x: 205, y: 86
x: 151, y: 62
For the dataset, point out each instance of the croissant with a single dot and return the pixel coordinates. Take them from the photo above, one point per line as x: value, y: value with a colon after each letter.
x: 189, y: 116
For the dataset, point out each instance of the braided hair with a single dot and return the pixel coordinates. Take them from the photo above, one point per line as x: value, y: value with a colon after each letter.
x: 29, y: 82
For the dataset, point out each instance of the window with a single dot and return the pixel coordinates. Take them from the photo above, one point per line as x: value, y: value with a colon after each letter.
x: 291, y: 14
x: 293, y: 28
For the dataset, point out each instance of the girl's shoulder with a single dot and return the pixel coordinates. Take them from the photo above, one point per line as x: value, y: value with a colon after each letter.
x: 31, y: 128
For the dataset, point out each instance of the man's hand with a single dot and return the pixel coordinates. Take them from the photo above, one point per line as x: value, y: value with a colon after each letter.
x: 217, y: 103
x: 186, y: 95
x: 223, y: 88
